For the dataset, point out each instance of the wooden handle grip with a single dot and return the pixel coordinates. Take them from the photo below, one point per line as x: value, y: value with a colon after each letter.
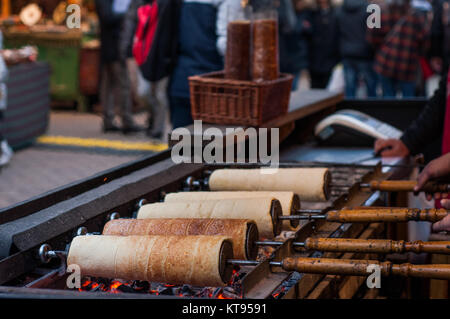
x: 379, y: 246
x: 436, y: 271
x: 360, y: 268
x: 394, y: 215
x: 332, y: 266
x: 407, y: 186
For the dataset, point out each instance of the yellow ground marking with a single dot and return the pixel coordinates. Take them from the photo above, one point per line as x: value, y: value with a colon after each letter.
x: 109, y: 144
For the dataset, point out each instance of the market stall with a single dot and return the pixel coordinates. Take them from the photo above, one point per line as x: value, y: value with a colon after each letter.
x: 65, y: 49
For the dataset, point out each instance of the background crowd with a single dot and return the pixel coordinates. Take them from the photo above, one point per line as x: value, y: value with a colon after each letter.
x: 329, y: 43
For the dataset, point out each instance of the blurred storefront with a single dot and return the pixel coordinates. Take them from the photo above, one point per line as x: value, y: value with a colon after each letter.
x: 70, y: 52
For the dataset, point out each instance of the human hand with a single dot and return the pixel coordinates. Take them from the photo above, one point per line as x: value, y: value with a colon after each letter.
x: 438, y: 167
x: 436, y: 64
x: 443, y: 224
x: 392, y: 148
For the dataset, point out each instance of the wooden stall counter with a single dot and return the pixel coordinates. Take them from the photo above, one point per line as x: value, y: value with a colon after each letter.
x: 302, y: 104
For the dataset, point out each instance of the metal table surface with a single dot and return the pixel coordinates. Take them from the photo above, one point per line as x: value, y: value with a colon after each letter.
x: 314, y: 153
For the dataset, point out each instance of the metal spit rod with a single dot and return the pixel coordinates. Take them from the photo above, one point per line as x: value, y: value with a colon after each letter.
x: 371, y: 214
x: 399, y: 186
x: 386, y: 186
x: 353, y: 267
x: 378, y: 246
x: 319, y: 265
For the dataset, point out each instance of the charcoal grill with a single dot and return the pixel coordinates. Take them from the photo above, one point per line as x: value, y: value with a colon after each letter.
x: 56, y: 217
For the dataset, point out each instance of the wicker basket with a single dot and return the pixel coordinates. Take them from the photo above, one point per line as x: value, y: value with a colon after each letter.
x: 222, y: 101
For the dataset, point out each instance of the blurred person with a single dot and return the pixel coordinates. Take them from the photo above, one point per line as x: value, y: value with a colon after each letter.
x: 6, y: 151
x: 115, y: 84
x: 428, y: 134
x: 294, y: 31
x: 400, y: 43
x: 446, y: 32
x: 355, y: 52
x: 433, y: 62
x: 10, y: 57
x: 201, y: 46
x: 156, y: 97
x: 432, y: 124
x: 437, y: 36
x: 324, y: 44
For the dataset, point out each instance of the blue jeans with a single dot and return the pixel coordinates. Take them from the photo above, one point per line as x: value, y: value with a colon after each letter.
x: 354, y: 69
x: 390, y: 87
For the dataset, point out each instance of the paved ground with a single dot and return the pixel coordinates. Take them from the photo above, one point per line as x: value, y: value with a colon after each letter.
x: 73, y: 148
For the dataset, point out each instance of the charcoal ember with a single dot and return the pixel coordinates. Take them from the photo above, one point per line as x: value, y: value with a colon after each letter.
x: 291, y: 281
x: 87, y: 287
x: 230, y: 293
x: 186, y: 290
x: 168, y: 291
x: 236, y: 279
x: 277, y: 295
x: 264, y: 252
x: 216, y: 292
x: 102, y: 281
x: 154, y: 286
x: 141, y: 285
x: 96, y: 287
x: 206, y: 292
x: 126, y: 288
x: 294, y: 278
x: 241, y: 275
x: 286, y: 285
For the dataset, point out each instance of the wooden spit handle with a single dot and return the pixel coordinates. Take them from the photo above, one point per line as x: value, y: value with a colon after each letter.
x: 386, y: 215
x: 379, y: 246
x: 407, y: 186
x: 359, y: 267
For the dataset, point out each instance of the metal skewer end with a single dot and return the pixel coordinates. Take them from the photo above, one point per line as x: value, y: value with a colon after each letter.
x: 302, y: 217
x: 196, y: 184
x: 334, y: 185
x: 238, y: 262
x: 278, y: 243
x: 268, y: 243
x: 309, y: 211
x: 46, y: 254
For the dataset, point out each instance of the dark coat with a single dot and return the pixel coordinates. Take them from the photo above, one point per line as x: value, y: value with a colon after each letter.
x: 294, y: 44
x: 197, y: 45
x: 129, y: 26
x: 429, y: 126
x: 110, y: 26
x: 324, y: 45
x: 437, y: 30
x: 352, y: 23
x: 159, y: 62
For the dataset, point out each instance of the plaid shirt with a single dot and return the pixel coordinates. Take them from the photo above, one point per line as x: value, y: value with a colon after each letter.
x: 400, y: 42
